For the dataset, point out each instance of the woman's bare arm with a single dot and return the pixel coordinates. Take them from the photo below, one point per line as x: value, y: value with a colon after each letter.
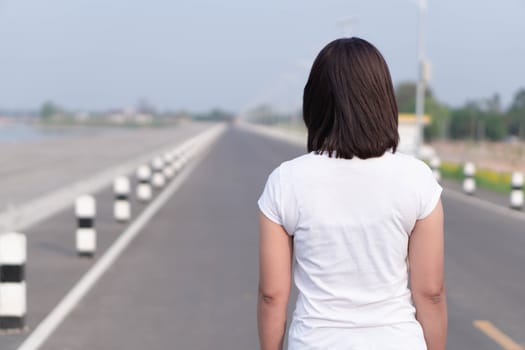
x: 275, y: 264
x: 426, y: 261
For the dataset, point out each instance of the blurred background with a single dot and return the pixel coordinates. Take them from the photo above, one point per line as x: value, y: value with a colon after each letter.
x: 86, y: 86
x: 149, y: 63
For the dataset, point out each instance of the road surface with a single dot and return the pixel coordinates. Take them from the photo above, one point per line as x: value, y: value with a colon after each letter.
x: 189, y: 281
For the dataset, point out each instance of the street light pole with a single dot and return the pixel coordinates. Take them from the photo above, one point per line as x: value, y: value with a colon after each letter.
x: 422, y: 75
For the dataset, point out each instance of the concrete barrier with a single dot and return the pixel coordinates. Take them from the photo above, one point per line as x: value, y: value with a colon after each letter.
x: 469, y: 180
x: 122, y: 206
x: 13, y: 256
x: 86, y: 235
x: 516, y: 191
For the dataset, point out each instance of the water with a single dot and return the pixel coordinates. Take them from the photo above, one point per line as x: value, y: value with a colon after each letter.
x: 22, y: 133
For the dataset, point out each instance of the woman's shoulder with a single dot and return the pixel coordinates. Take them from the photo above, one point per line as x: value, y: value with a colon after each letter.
x: 298, y: 161
x: 309, y: 162
x: 289, y: 166
x: 412, y: 170
x: 410, y: 162
x: 302, y: 160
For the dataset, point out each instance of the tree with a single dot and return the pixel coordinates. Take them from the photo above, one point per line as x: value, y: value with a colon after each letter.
x: 460, y: 124
x: 493, y: 104
x: 439, y: 112
x: 49, y: 110
x: 516, y: 114
x: 215, y: 114
x: 495, y: 127
x: 406, y: 96
x: 478, y: 120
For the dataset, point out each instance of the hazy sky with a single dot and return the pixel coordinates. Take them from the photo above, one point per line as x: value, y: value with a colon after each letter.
x: 235, y: 54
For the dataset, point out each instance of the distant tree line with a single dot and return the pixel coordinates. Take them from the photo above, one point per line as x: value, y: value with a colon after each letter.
x: 215, y: 114
x: 484, y: 119
x: 267, y: 114
x: 51, y: 112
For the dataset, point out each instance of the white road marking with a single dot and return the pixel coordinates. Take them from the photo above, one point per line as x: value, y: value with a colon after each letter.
x: 69, y: 302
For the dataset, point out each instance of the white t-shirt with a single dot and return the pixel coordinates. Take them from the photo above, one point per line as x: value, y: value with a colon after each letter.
x: 351, y: 221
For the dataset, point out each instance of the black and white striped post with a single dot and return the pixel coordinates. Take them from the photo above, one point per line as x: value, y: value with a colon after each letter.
x: 86, y: 235
x: 516, y: 191
x: 435, y: 165
x: 469, y: 180
x: 122, y: 206
x: 144, y: 192
x: 13, y: 304
x: 168, y: 171
x: 158, y: 180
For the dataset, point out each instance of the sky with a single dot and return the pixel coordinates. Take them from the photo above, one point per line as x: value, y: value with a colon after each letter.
x: 237, y: 54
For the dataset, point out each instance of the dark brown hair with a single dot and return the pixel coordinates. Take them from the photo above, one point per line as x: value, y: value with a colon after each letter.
x: 349, y: 106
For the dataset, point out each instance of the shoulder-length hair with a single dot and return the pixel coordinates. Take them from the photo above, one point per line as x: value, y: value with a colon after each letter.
x: 349, y: 106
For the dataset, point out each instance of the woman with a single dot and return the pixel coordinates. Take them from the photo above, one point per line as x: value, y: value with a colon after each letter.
x: 356, y: 215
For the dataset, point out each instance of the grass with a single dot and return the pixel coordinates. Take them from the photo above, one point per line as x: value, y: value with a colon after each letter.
x: 485, y: 178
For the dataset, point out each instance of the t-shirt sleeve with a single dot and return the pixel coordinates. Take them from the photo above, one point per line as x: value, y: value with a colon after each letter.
x: 270, y: 200
x: 430, y: 193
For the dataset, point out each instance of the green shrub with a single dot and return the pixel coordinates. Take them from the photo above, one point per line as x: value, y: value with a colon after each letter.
x: 485, y: 178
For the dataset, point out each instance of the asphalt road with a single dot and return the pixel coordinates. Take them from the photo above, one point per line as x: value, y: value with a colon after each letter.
x: 189, y: 281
